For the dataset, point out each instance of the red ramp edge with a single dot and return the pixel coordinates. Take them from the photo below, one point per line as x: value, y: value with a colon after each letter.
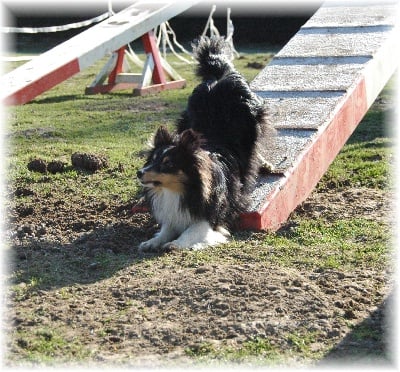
x: 34, y: 88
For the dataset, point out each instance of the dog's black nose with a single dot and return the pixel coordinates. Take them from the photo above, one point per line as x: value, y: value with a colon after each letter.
x: 139, y: 173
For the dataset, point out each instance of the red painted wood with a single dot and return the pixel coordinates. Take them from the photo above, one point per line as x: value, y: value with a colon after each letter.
x: 34, y: 88
x: 107, y: 88
x: 118, y: 66
x: 150, y: 46
x: 156, y: 88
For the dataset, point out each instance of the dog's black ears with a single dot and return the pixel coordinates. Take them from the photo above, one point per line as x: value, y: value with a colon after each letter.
x: 188, y: 139
x: 191, y: 140
x: 162, y: 137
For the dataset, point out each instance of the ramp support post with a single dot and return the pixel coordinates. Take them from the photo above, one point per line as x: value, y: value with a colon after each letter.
x: 143, y: 83
x: 118, y: 66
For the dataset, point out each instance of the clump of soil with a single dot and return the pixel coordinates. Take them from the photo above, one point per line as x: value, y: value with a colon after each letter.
x: 83, y: 161
x: 89, y: 162
x: 56, y: 166
x: 41, y: 166
x: 23, y: 191
x: 37, y: 165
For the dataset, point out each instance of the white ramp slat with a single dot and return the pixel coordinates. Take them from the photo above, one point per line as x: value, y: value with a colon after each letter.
x: 50, y: 68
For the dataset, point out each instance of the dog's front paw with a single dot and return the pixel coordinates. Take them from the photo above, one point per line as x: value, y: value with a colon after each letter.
x: 148, y: 246
x: 171, y: 247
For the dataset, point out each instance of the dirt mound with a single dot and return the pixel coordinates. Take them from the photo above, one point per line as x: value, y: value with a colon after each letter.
x: 83, y: 161
x: 41, y: 166
x: 37, y: 165
x: 89, y: 162
x: 56, y: 166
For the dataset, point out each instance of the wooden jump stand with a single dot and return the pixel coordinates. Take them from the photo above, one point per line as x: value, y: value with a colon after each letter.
x: 45, y: 71
x: 153, y: 78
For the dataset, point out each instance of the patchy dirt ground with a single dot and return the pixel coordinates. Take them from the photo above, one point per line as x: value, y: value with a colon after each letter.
x: 79, y: 275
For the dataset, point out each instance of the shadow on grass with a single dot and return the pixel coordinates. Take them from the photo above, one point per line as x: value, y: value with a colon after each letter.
x: 75, y: 97
x: 57, y: 99
x: 370, y: 342
x: 97, y: 254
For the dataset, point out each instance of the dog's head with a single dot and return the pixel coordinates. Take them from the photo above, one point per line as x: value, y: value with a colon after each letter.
x: 171, y: 161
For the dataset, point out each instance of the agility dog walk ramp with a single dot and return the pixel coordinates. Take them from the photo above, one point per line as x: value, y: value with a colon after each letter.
x: 58, y: 64
x: 318, y: 88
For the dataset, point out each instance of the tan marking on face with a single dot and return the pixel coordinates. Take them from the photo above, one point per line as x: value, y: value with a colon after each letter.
x: 173, y: 182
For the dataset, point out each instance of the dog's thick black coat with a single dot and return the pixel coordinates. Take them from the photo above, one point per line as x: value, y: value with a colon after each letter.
x: 232, y: 119
x: 215, y: 150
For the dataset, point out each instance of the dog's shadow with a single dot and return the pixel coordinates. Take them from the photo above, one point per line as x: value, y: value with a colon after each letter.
x: 44, y: 264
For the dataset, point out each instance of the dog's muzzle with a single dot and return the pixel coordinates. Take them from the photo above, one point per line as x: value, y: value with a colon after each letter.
x: 140, y: 174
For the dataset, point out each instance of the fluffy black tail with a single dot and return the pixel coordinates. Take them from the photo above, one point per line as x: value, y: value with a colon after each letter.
x: 213, y: 55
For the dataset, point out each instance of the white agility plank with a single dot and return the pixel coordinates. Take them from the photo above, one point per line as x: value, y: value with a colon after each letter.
x: 50, y: 68
x: 318, y: 88
x: 128, y: 78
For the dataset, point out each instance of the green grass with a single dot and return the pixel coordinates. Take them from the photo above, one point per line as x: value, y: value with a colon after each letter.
x: 47, y: 346
x: 362, y: 164
x: 256, y: 351
x: 341, y: 244
x: 365, y: 160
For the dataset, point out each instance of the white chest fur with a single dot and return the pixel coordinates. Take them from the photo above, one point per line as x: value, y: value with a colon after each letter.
x: 167, y: 209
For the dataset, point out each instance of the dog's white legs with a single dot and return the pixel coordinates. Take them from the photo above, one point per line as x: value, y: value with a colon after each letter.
x: 198, y: 236
x: 166, y: 234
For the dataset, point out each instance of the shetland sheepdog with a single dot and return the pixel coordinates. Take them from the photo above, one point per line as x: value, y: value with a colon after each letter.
x: 197, y: 179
